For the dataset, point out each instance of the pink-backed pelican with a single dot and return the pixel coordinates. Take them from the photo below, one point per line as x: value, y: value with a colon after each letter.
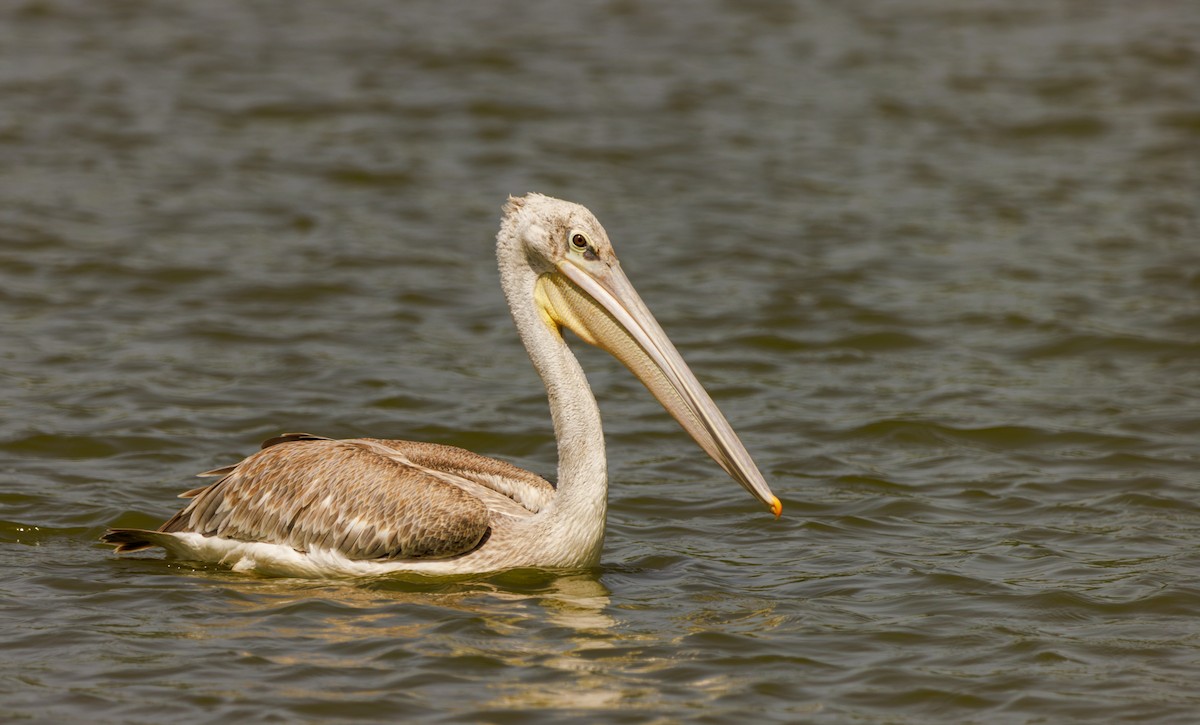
x: 311, y: 506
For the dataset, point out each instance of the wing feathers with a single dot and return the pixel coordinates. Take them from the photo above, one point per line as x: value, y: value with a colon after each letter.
x: 307, y: 492
x: 528, y: 489
x: 365, y: 498
x: 290, y: 438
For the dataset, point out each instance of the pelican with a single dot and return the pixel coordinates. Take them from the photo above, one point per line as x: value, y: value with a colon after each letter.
x: 317, y: 507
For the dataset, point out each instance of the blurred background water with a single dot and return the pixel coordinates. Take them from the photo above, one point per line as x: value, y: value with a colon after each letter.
x: 939, y: 263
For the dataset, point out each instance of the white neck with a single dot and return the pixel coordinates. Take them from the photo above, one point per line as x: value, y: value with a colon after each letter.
x: 575, y: 521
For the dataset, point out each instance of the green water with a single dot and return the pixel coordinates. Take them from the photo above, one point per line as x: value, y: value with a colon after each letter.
x: 938, y: 262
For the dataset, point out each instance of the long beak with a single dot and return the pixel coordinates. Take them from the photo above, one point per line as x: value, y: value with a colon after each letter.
x: 600, y: 305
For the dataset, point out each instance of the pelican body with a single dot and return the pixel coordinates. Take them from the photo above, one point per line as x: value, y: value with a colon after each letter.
x: 311, y: 506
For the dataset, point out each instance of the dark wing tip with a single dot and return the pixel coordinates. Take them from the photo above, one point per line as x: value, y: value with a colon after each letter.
x: 127, y: 540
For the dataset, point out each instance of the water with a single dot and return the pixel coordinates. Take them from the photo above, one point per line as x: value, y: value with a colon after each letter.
x: 939, y: 264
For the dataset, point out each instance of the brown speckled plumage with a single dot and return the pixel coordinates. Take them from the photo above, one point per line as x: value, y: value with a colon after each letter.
x: 364, y: 498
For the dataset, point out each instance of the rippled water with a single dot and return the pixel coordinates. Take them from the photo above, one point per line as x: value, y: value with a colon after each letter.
x: 938, y: 262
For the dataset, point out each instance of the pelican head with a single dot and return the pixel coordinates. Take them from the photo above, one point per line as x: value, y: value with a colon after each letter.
x: 578, y: 284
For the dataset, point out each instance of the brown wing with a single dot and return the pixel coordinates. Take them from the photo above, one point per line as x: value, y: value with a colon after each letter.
x: 309, y: 492
x: 529, y: 490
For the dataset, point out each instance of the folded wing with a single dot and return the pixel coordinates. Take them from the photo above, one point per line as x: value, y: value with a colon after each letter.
x: 363, y: 498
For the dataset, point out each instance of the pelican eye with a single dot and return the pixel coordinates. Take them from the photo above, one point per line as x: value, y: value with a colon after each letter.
x: 580, y: 243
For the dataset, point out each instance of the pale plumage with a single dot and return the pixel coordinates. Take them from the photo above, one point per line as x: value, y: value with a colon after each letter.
x: 311, y: 506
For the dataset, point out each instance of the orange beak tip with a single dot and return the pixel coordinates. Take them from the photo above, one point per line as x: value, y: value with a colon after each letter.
x: 776, y: 506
